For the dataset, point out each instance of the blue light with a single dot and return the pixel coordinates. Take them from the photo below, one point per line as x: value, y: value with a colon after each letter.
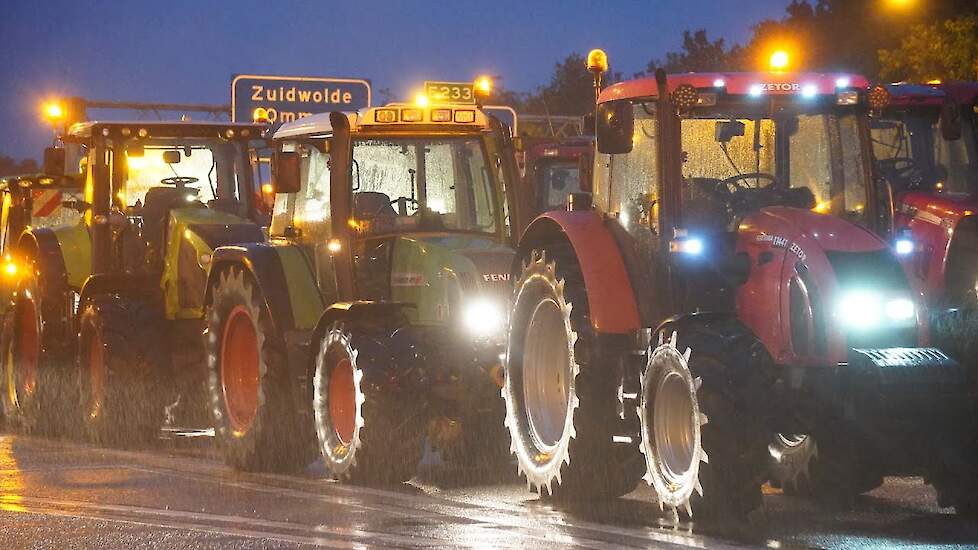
x: 719, y: 83
x: 903, y: 246
x: 756, y: 90
x: 842, y: 82
x: 809, y: 90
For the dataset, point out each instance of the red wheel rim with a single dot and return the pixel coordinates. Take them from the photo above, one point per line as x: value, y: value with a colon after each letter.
x: 343, y: 400
x: 239, y: 369
x: 28, y: 347
x: 96, y: 374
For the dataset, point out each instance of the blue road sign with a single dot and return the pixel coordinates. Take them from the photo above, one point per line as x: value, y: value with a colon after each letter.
x: 288, y: 98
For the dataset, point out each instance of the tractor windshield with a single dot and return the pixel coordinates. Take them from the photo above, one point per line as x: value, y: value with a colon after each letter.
x: 423, y: 184
x: 911, y: 152
x: 205, y: 170
x: 737, y: 163
x: 556, y: 179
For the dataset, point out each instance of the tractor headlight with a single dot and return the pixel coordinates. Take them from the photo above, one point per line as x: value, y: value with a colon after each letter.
x: 483, y: 317
x: 867, y: 310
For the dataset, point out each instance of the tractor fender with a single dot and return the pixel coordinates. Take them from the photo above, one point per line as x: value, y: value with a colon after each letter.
x: 264, y: 265
x: 359, y: 311
x: 119, y: 283
x: 610, y: 293
x: 41, y: 245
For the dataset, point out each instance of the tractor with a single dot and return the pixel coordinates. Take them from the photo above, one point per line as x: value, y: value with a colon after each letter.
x: 109, y: 313
x: 374, y: 317
x: 926, y: 144
x: 29, y: 201
x: 724, y: 289
x: 555, y: 169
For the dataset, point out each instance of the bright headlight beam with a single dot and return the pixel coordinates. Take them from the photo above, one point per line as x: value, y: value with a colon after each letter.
x: 866, y: 309
x: 903, y: 246
x: 483, y: 317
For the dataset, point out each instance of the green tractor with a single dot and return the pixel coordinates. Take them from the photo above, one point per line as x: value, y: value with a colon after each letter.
x: 108, y: 316
x: 28, y: 202
x: 374, y: 317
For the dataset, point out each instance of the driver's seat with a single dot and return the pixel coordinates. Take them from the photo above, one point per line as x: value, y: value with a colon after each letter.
x: 156, y: 208
x: 372, y: 204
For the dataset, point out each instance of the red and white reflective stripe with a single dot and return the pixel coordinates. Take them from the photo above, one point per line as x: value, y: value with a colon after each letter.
x: 45, y: 202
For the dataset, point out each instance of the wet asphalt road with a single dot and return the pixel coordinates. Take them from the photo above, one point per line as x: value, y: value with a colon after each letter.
x: 178, y: 494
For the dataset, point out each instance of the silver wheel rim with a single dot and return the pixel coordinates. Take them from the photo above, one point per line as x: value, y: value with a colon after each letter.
x: 673, y: 424
x: 792, y: 440
x: 546, y: 379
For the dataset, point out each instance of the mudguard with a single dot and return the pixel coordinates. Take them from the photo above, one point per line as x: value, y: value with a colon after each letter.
x: 42, y: 245
x: 611, y: 297
x: 118, y: 283
x: 355, y: 311
x: 286, y: 280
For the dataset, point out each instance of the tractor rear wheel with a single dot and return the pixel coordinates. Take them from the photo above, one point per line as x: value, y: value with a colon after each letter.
x: 562, y: 404
x: 121, y: 359
x: 370, y: 431
x: 256, y: 420
x: 39, y: 392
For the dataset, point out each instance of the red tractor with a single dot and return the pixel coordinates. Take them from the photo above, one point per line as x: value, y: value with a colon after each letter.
x: 555, y: 169
x: 926, y: 145
x: 724, y: 289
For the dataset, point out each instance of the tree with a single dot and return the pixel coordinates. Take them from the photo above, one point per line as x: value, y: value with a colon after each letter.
x: 699, y: 54
x: 10, y: 166
x: 946, y: 50
x: 570, y: 91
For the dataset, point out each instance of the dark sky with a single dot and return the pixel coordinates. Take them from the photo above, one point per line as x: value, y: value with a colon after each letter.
x: 187, y: 50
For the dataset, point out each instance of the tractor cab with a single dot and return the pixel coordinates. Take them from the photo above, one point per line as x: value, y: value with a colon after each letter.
x: 926, y: 138
x: 404, y: 202
x: 159, y: 197
x: 742, y: 142
x: 926, y: 145
x: 555, y: 170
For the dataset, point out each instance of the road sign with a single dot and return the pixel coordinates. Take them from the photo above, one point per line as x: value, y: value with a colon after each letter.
x: 287, y: 98
x: 450, y: 92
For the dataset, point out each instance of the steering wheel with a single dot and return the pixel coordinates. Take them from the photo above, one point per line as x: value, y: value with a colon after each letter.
x: 179, y: 181
x: 901, y: 169
x: 407, y: 200
x: 739, y: 181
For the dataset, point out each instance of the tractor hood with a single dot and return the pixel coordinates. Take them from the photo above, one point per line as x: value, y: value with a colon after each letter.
x: 829, y: 232
x: 192, y: 236
x: 445, y: 274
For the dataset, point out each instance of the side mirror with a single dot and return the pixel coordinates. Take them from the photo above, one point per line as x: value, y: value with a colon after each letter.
x: 726, y: 130
x: 285, y: 171
x: 950, y: 121
x: 171, y: 157
x: 54, y: 161
x: 615, y: 126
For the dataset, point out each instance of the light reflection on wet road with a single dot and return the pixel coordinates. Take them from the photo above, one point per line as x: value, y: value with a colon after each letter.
x: 65, y: 495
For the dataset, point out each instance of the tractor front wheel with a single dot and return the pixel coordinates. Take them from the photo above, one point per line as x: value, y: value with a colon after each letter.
x: 256, y: 420
x: 370, y: 432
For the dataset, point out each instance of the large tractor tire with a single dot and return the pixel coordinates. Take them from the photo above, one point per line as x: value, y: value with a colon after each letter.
x: 671, y: 426
x: 833, y: 472
x: 561, y: 388
x: 256, y: 417
x: 121, y: 360
x: 40, y: 391
x: 955, y: 479
x: 732, y: 438
x: 370, y: 431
